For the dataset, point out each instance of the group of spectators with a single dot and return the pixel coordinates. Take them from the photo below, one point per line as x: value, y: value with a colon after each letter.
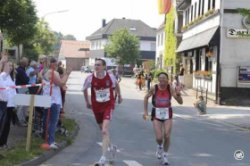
x: 47, y: 71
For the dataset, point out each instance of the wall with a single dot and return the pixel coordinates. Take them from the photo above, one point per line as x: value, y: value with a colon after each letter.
x: 160, y: 42
x: 74, y: 63
x: 234, y: 51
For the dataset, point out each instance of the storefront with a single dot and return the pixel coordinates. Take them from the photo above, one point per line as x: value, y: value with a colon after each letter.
x: 215, y: 50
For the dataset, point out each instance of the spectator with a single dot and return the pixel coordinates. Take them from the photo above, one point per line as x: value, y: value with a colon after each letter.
x: 8, y: 114
x: 201, y: 105
x: 52, y: 76
x: 149, y: 79
x: 31, y: 72
x: 181, y: 75
x: 22, y: 79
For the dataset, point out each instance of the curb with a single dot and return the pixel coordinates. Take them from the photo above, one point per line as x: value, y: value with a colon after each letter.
x: 49, y: 154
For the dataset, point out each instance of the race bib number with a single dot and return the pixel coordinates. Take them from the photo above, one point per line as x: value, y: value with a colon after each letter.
x: 162, y: 113
x: 102, y: 95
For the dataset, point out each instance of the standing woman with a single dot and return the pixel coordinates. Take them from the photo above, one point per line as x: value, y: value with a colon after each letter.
x: 7, y: 75
x: 162, y: 113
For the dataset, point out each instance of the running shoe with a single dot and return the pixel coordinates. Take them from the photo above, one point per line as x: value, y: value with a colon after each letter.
x: 113, y: 150
x: 165, y: 159
x: 159, y: 152
x: 53, y: 146
x: 102, y: 161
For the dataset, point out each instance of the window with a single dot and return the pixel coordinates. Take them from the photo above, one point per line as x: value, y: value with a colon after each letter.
x: 199, y: 10
x: 202, y: 8
x: 192, y: 10
x: 213, y: 4
x: 209, y: 5
x: 187, y: 16
x: 198, y: 60
x: 195, y: 10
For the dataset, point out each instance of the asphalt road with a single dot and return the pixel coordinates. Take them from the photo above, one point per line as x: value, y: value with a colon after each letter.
x: 194, y: 141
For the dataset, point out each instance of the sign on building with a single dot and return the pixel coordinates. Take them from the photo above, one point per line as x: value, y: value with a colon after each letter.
x: 238, y: 33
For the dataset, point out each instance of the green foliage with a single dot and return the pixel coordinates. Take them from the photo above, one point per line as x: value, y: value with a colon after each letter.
x: 123, y: 46
x: 18, y: 19
x: 69, y: 37
x: 244, y: 12
x: 170, y: 44
x: 44, y: 38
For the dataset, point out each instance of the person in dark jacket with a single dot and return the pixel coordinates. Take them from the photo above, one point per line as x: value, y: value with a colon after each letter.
x: 22, y: 79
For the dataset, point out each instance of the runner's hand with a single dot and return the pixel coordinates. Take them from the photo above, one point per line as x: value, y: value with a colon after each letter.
x: 119, y: 99
x: 145, y: 116
x: 89, y: 106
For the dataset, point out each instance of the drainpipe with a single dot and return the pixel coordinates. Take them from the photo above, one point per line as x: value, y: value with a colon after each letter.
x: 218, y: 68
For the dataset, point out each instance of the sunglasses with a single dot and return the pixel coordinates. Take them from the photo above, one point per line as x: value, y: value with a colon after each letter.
x: 98, y: 64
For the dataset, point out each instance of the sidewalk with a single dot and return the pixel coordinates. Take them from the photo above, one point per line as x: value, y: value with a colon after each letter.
x: 234, y: 115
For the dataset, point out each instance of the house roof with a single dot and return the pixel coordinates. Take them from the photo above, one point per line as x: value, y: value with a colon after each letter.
x: 74, y: 49
x: 136, y: 27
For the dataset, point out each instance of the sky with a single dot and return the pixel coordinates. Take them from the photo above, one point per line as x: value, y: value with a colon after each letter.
x: 81, y: 18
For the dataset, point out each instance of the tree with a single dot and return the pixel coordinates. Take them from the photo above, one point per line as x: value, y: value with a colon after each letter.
x: 42, y: 42
x: 18, y: 19
x: 123, y: 46
x: 69, y: 37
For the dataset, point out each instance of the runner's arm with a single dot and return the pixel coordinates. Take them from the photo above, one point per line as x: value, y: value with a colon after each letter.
x: 147, y: 96
x: 176, y: 94
x: 86, y: 85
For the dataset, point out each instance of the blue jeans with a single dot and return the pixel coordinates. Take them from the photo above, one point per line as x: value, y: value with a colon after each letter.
x: 53, y: 120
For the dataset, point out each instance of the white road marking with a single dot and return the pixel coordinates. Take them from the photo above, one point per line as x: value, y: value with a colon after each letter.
x: 132, y: 163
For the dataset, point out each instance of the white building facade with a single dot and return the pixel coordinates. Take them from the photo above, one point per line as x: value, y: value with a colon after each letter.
x: 215, y: 57
x: 160, y: 47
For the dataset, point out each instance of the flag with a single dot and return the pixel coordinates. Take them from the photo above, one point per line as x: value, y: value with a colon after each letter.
x: 160, y: 6
x: 164, y: 6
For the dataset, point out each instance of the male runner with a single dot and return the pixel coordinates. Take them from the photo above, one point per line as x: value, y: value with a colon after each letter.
x: 102, y: 103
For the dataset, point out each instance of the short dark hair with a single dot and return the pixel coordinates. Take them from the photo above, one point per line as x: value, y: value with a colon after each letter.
x: 103, y: 61
x: 164, y: 73
x: 53, y: 60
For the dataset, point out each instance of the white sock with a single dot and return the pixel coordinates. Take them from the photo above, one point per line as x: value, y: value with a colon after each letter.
x: 160, y: 146
x: 165, y: 153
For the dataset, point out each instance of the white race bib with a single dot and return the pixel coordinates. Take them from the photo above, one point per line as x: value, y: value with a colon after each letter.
x: 162, y: 113
x: 102, y: 95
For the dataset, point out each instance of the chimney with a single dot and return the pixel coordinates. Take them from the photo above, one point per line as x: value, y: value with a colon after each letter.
x: 103, y: 23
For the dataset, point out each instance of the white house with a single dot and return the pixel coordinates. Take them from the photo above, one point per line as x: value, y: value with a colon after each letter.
x: 214, y: 48
x: 145, y: 33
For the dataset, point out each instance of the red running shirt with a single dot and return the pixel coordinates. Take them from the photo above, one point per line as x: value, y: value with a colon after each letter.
x: 102, y: 95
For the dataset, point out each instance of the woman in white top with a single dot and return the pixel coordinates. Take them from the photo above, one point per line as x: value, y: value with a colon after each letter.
x: 52, y: 76
x: 8, y: 97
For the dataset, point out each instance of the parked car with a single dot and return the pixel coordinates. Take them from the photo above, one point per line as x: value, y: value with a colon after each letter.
x: 85, y: 69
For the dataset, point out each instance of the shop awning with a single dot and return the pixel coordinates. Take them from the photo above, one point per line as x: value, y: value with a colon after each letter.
x: 198, y: 40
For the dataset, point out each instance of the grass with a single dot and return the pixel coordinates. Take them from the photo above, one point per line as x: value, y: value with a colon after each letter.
x: 18, y: 153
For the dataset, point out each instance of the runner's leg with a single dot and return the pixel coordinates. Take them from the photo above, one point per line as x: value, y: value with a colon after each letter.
x: 159, y: 137
x: 167, y: 128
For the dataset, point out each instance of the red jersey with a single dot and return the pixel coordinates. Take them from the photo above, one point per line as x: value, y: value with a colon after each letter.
x: 102, y: 95
x: 161, y: 98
